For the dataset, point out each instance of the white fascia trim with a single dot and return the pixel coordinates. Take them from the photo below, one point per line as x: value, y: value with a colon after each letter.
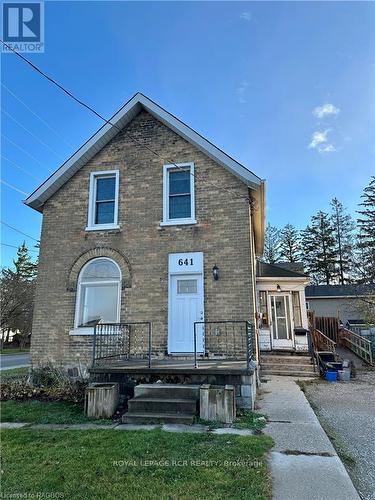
x: 91, y: 226
x: 108, y: 131
x: 313, y: 297
x: 176, y: 222
x: 303, y: 280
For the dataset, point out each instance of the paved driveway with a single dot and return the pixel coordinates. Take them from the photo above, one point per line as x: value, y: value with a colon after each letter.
x: 14, y: 361
x: 348, y: 409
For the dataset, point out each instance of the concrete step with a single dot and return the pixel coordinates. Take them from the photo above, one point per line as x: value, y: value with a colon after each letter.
x: 157, y: 418
x: 285, y: 353
x: 290, y: 373
x: 167, y: 391
x: 286, y: 366
x: 159, y: 405
x: 285, y: 359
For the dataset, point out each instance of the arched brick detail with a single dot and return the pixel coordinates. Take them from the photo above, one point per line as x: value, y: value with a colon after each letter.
x: 94, y: 253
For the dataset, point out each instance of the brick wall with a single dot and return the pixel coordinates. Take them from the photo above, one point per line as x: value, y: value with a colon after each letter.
x: 141, y: 246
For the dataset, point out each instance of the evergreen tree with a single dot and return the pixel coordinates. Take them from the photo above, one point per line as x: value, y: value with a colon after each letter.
x: 17, y: 297
x: 271, y: 253
x: 343, y: 229
x: 290, y: 245
x: 25, y: 267
x: 366, y: 232
x: 319, y: 249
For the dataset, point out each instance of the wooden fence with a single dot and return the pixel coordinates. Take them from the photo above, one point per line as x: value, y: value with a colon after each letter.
x: 329, y: 326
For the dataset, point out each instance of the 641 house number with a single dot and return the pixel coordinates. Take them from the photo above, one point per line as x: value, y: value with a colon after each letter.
x: 185, y: 262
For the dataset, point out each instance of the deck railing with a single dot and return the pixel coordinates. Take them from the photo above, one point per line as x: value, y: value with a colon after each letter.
x: 361, y: 346
x: 321, y: 342
x: 122, y: 341
x: 224, y: 339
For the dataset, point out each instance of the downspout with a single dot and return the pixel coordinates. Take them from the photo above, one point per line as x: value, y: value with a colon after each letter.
x: 253, y: 280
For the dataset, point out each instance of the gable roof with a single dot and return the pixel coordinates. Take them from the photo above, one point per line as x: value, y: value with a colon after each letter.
x: 265, y: 270
x: 323, y: 291
x: 129, y: 111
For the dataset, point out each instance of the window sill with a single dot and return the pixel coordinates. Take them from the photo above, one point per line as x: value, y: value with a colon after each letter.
x: 103, y: 227
x: 81, y: 331
x: 178, y: 222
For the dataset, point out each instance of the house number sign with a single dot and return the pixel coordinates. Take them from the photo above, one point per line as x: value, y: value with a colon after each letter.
x: 184, y: 263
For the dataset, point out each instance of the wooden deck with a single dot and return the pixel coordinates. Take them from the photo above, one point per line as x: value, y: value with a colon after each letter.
x: 172, y: 366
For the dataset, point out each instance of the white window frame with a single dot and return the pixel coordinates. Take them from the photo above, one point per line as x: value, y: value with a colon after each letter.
x: 175, y: 222
x: 91, y: 226
x: 85, y: 330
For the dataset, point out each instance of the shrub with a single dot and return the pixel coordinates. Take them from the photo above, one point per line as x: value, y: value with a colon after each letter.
x: 46, y: 384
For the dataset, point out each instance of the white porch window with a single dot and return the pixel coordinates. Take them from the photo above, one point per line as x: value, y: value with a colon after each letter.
x: 103, y: 200
x: 98, y: 293
x: 178, y: 194
x: 263, y: 309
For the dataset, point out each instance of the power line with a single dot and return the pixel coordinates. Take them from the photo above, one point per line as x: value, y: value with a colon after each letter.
x: 79, y: 101
x: 14, y: 246
x: 13, y: 187
x: 37, y: 116
x: 31, y: 133
x: 26, y: 152
x: 20, y: 168
x: 18, y: 231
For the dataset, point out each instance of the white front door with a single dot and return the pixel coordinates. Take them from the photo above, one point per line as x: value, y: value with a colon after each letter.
x: 186, y: 306
x: 281, y: 324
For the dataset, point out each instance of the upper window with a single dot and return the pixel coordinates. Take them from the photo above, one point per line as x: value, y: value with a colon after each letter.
x: 178, y: 194
x: 99, y: 292
x: 103, y: 202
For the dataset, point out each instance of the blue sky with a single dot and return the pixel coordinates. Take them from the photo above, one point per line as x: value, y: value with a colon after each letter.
x: 288, y: 89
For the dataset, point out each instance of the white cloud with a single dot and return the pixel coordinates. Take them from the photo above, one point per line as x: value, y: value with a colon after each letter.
x: 327, y: 109
x: 241, y: 91
x: 329, y: 148
x: 246, y: 16
x: 319, y: 141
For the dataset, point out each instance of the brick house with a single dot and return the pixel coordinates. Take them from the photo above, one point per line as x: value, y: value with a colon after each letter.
x: 148, y: 225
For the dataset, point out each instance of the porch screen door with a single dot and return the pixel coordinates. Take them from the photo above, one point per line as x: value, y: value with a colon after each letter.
x: 281, y: 321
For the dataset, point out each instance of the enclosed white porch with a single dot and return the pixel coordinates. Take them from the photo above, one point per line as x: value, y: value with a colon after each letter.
x: 282, y: 314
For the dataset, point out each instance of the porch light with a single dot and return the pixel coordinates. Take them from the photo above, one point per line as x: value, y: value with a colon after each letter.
x: 215, y: 272
x: 278, y: 288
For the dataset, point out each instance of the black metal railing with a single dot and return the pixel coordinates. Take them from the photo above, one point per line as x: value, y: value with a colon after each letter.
x: 224, y: 339
x: 122, y: 341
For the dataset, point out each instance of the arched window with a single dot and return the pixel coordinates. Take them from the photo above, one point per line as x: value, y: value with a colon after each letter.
x: 99, y: 293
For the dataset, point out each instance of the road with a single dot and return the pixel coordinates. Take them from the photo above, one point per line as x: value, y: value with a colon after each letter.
x: 14, y: 361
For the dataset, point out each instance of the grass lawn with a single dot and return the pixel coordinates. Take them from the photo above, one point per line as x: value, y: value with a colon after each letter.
x: 44, y: 412
x: 110, y: 464
x: 245, y: 419
x: 14, y: 373
x: 8, y: 352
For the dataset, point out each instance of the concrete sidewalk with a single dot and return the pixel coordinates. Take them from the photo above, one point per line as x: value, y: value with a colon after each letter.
x: 303, y: 464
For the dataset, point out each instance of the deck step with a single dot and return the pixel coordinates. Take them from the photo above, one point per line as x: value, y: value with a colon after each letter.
x: 163, y: 403
x: 157, y: 418
x: 167, y: 391
x: 159, y: 405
